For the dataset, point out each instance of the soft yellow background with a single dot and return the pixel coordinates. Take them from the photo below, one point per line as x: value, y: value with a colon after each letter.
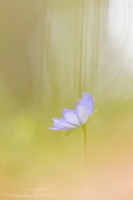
x: 51, y: 51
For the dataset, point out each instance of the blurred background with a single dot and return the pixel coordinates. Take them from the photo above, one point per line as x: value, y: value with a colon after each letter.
x: 51, y: 51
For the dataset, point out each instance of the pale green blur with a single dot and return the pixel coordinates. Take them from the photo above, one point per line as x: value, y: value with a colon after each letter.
x: 50, y: 53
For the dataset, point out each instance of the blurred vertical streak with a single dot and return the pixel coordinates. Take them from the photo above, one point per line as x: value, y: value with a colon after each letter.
x: 118, y: 50
x: 96, y: 37
x: 92, y: 36
x: 66, y: 48
x: 83, y: 37
x: 74, y: 46
x: 71, y: 41
x: 44, y: 58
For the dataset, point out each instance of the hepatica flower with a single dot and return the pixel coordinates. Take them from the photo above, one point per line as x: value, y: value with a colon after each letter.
x: 75, y: 118
x: 78, y: 117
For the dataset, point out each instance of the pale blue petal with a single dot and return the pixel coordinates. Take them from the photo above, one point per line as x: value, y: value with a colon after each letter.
x: 56, y: 120
x: 88, y: 102
x: 83, y: 102
x: 70, y: 116
x: 65, y: 125
x: 53, y: 128
x: 88, y: 98
x: 60, y: 123
x: 82, y: 113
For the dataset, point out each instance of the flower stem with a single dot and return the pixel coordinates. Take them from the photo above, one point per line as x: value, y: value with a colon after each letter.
x: 85, y: 145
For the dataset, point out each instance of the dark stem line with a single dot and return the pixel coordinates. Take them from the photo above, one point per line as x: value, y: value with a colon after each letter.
x: 85, y: 145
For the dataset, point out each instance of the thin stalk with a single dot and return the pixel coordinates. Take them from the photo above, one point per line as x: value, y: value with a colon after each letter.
x: 85, y: 139
x: 85, y: 145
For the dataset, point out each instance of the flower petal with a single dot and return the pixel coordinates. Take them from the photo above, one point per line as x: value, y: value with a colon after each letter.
x: 53, y: 128
x: 82, y: 113
x: 71, y: 117
x: 87, y: 97
x: 61, y: 124
x: 65, y: 125
x: 88, y: 102
x: 56, y: 120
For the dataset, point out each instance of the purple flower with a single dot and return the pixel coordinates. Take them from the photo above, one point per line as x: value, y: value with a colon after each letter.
x: 74, y: 118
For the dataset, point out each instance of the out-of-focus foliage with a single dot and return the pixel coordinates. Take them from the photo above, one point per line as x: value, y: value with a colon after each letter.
x: 50, y: 53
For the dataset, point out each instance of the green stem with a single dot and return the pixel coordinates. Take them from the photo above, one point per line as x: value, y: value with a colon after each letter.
x: 85, y: 145
x: 85, y: 139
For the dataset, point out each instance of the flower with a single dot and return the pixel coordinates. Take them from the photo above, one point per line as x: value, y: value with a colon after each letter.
x: 77, y: 117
